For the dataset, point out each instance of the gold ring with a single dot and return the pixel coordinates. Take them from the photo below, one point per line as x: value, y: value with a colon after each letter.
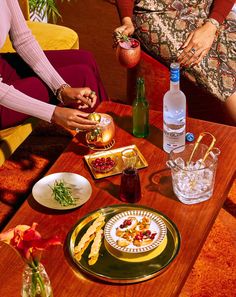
x: 92, y: 93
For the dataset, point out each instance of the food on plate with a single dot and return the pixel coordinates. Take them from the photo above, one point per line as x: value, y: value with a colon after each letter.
x: 136, y: 232
x: 103, y: 164
x: 94, y: 252
x: 144, y: 238
x: 144, y: 224
x: 62, y: 193
x: 88, y: 237
x: 122, y: 242
x: 128, y: 224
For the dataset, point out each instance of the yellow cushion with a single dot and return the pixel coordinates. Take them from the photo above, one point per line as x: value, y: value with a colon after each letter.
x: 50, y: 37
x: 12, y: 137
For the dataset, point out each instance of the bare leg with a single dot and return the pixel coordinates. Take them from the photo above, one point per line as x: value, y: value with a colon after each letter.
x: 231, y: 108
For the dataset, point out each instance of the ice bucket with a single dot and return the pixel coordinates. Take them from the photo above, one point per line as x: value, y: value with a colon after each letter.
x: 193, y: 175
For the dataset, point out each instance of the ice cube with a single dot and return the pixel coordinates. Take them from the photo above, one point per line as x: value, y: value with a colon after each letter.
x: 180, y: 162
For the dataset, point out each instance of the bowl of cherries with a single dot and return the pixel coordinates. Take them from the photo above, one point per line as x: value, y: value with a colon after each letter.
x: 103, y: 164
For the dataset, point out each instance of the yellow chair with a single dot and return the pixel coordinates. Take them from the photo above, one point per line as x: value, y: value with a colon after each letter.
x: 50, y: 37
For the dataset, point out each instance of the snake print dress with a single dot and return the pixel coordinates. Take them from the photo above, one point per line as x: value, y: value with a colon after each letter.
x: 164, y: 25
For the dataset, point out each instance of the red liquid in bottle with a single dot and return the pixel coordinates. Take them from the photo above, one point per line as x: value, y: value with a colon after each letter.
x: 130, y: 189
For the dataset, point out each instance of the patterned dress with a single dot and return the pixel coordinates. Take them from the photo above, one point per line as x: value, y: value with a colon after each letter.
x: 164, y: 25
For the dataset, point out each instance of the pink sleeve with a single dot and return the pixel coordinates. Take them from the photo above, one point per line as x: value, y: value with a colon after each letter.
x: 18, y: 101
x: 28, y: 48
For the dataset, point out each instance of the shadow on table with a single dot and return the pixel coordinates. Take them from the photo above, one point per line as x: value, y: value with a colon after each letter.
x: 46, y: 210
x: 161, y: 182
x: 109, y: 187
x: 125, y: 123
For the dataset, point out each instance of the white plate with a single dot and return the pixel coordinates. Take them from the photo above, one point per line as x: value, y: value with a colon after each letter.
x: 157, y: 226
x: 80, y: 188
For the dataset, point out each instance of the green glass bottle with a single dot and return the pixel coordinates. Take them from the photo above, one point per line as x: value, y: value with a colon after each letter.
x: 140, y: 111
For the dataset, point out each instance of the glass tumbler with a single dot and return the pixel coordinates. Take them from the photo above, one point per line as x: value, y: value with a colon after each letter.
x: 130, y: 188
x: 193, y: 180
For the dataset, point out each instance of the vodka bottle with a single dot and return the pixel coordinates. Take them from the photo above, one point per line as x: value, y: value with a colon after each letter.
x: 140, y: 111
x: 174, y: 113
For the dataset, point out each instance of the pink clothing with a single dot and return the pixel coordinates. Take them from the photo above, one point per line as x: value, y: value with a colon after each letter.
x: 77, y: 67
x: 12, y: 21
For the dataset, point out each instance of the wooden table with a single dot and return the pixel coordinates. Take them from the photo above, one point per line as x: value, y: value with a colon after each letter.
x: 194, y: 222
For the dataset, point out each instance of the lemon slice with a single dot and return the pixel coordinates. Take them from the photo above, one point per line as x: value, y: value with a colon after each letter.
x: 94, y: 117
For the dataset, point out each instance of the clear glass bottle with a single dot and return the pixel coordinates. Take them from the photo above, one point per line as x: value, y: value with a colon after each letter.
x: 174, y: 112
x: 130, y: 188
x: 140, y: 111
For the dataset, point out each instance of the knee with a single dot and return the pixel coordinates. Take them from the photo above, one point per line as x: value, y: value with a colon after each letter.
x: 33, y: 87
x: 87, y: 58
x: 85, y: 70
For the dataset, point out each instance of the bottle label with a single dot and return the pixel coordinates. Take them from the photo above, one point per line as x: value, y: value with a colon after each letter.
x: 174, y: 75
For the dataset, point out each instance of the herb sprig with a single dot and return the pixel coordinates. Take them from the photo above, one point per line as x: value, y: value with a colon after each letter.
x: 62, y: 193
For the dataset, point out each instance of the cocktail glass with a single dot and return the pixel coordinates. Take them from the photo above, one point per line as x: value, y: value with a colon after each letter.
x: 103, y: 135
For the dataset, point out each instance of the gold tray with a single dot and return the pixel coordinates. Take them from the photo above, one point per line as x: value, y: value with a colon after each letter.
x: 112, y: 268
x: 116, y: 154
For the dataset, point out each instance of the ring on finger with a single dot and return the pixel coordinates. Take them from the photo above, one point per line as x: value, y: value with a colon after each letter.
x: 193, y: 51
x: 79, y: 130
x: 92, y: 93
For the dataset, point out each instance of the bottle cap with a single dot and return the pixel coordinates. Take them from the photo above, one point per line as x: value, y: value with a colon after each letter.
x: 189, y: 136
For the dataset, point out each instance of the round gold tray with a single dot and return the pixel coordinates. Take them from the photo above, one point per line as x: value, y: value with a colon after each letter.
x: 117, y: 269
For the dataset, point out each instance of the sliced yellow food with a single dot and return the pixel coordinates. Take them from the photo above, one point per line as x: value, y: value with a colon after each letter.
x: 94, y: 252
x: 88, y: 237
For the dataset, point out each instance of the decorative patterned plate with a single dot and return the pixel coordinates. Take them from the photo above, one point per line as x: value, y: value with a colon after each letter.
x: 117, y: 268
x: 114, y: 226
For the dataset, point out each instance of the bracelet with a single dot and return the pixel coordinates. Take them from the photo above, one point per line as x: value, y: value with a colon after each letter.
x: 213, y: 22
x: 59, y: 91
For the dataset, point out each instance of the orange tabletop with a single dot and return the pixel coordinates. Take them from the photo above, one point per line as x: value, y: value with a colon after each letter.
x: 193, y: 221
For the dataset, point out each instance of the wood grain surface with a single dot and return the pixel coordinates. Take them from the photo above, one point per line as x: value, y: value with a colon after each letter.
x: 193, y: 221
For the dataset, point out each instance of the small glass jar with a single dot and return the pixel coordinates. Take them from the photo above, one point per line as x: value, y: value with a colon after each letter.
x: 36, y: 282
x: 130, y: 188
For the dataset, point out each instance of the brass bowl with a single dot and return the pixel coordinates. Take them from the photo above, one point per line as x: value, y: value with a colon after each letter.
x: 128, y: 57
x: 104, y: 133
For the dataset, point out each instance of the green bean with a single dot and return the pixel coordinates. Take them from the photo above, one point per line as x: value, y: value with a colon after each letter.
x: 62, y: 193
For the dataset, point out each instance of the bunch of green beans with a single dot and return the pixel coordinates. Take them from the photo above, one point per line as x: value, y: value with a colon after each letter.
x: 62, y: 193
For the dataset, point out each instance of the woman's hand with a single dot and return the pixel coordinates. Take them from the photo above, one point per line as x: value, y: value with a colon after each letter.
x: 127, y: 27
x: 84, y: 97
x: 197, y: 45
x: 72, y: 118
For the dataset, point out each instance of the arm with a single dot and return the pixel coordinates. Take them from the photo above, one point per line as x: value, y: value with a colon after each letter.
x: 28, y: 48
x: 18, y: 101
x: 125, y: 10
x: 220, y: 9
x: 67, y: 117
